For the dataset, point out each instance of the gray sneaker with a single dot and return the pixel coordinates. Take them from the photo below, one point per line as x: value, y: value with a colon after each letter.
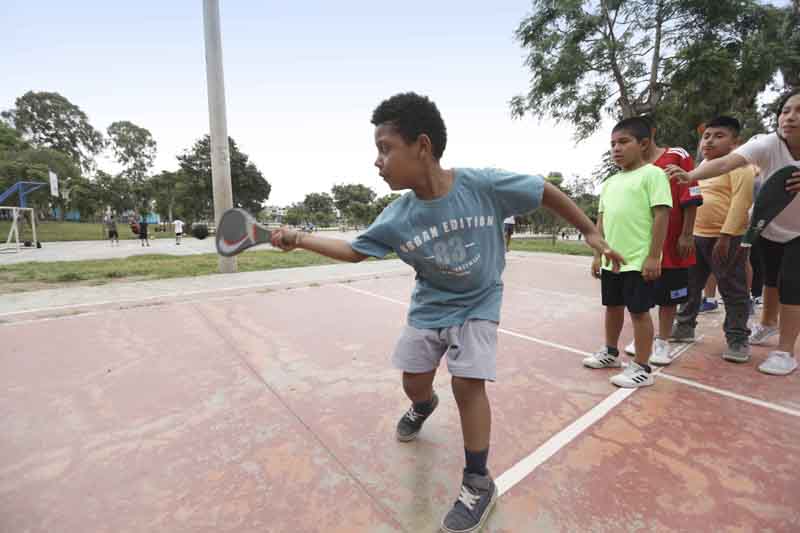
x: 737, y: 352
x: 682, y: 333
x: 471, y: 509
x: 410, y: 424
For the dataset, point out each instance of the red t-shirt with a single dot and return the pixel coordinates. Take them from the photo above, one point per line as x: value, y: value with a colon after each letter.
x: 683, y: 196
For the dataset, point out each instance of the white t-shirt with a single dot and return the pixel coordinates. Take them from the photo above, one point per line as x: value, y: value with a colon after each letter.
x: 509, y: 220
x: 770, y: 154
x: 178, y: 226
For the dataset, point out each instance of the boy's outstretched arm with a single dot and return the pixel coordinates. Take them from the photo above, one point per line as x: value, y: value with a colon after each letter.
x: 558, y: 202
x: 288, y: 239
x: 709, y: 169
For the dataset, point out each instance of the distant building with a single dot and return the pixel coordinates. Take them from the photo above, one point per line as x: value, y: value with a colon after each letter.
x: 273, y: 213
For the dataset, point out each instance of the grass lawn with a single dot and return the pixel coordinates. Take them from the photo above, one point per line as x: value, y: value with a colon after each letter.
x: 546, y: 245
x: 52, y: 231
x: 32, y: 276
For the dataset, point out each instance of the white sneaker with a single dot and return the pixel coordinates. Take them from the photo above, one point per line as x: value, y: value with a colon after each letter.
x: 633, y: 376
x: 778, y: 364
x: 631, y: 348
x: 661, y: 353
x: 602, y: 359
x: 761, y: 334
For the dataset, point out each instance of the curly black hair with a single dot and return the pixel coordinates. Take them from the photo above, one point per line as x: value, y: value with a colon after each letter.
x: 411, y: 115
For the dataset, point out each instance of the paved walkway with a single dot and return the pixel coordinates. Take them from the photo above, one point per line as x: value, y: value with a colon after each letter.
x: 81, y: 250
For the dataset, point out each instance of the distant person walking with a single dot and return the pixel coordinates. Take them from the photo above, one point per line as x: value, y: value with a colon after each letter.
x: 113, y: 234
x: 508, y: 226
x: 143, y: 232
x: 178, y: 224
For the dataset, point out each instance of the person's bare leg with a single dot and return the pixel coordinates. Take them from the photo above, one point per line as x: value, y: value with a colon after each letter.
x: 419, y: 387
x: 771, y: 307
x: 475, y: 413
x: 642, y: 336
x: 614, y: 319
x: 789, y: 327
x: 666, y: 316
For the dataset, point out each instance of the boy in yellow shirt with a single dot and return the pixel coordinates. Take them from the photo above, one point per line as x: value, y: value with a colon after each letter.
x: 721, y: 221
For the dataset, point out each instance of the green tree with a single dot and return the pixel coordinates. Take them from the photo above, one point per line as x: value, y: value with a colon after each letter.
x: 296, y: 214
x: 319, y: 207
x: 114, y: 191
x: 633, y: 57
x: 354, y: 202
x: 49, y: 120
x: 133, y: 147
x: 165, y: 192
x: 84, y: 197
x: 194, y: 193
x: 544, y: 220
x: 32, y: 164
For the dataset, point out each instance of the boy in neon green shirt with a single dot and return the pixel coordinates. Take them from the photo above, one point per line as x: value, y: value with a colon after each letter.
x: 634, y: 213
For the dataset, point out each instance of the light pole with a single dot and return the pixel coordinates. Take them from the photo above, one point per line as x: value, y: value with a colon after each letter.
x: 220, y: 153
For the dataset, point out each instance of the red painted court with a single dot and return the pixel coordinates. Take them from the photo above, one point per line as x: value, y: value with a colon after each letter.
x: 274, y: 410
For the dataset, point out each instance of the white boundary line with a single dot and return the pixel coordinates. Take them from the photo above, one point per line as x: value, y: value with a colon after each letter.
x: 557, y: 442
x: 659, y: 371
x: 554, y: 444
x: 723, y: 392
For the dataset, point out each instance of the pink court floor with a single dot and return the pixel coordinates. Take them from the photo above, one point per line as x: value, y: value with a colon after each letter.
x: 273, y: 409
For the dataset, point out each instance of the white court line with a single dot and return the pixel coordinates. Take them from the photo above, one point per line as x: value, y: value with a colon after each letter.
x: 740, y: 397
x: 554, y: 444
x: 659, y: 371
x: 193, y: 293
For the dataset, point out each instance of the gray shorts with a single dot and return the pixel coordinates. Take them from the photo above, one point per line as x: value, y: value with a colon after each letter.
x: 471, y: 349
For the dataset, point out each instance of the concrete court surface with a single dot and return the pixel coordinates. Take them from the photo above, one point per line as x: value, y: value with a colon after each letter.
x: 266, y: 402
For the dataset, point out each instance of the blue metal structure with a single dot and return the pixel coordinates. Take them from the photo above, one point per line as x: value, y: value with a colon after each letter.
x: 23, y: 188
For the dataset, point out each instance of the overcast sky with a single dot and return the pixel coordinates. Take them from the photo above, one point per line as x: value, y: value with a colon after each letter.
x: 302, y: 79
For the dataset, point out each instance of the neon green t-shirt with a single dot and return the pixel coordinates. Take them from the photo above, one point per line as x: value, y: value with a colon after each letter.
x: 626, y: 204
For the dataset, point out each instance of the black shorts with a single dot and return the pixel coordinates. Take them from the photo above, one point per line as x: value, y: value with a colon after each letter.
x: 672, y: 288
x: 178, y: 233
x: 143, y: 234
x: 781, y: 266
x: 509, y: 229
x: 112, y: 234
x: 628, y: 289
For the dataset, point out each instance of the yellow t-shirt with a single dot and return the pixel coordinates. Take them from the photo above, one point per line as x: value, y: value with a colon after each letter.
x: 726, y: 200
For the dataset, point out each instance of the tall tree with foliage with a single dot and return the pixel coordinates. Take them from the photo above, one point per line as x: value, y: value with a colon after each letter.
x: 164, y: 188
x: 194, y: 195
x: 49, y: 120
x: 625, y: 58
x: 133, y: 147
x: 354, y: 202
x: 320, y: 208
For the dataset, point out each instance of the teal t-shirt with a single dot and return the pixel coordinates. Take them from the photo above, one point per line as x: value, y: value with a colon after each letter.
x: 626, y: 203
x: 454, y: 243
